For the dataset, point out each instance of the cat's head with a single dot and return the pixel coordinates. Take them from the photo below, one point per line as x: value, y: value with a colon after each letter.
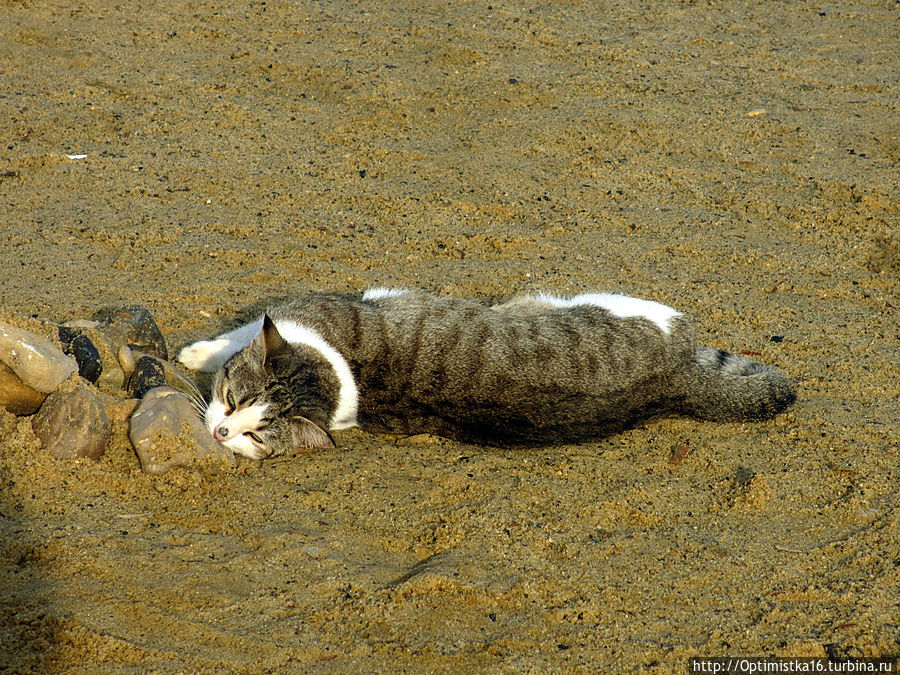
x: 272, y: 397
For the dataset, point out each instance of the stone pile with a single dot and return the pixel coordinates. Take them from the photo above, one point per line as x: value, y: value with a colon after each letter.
x: 111, y: 367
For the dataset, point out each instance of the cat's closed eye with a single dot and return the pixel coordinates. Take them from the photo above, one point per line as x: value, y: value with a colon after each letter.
x: 253, y: 437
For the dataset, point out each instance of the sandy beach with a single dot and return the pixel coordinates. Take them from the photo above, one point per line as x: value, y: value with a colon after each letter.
x: 738, y: 161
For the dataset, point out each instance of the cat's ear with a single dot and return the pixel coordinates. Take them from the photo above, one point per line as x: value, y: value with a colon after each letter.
x: 273, y: 343
x: 308, y: 434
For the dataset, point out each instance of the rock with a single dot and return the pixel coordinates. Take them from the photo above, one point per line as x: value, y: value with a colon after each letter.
x: 83, y: 324
x: 16, y: 396
x: 148, y: 373
x: 173, y: 377
x: 112, y: 331
x: 126, y: 360
x: 167, y: 433
x: 133, y: 325
x: 66, y: 335
x: 86, y: 355
x: 110, y: 378
x: 72, y: 424
x: 37, y: 361
x: 120, y: 410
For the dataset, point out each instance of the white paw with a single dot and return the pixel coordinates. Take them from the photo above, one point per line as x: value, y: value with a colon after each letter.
x: 206, y: 356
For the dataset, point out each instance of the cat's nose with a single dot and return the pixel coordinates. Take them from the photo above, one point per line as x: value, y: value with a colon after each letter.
x: 221, y: 433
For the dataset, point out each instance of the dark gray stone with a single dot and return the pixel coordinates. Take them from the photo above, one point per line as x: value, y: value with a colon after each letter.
x: 79, y: 346
x: 148, y: 373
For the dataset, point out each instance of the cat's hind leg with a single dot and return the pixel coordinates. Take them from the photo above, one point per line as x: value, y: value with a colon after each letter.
x: 207, y: 356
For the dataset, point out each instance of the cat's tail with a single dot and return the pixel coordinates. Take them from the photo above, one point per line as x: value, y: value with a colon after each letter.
x: 727, y: 387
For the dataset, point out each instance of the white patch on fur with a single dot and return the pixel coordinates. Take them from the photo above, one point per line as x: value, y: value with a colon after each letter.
x: 242, y: 445
x: 215, y: 414
x: 207, y: 356
x: 244, y: 419
x: 240, y: 421
x: 620, y: 306
x: 382, y: 292
x: 237, y: 423
x: 348, y: 393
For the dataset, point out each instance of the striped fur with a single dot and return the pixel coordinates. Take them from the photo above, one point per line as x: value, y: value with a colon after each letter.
x: 536, y: 369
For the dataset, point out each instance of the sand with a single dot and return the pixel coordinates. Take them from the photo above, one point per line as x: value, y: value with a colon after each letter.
x: 738, y: 161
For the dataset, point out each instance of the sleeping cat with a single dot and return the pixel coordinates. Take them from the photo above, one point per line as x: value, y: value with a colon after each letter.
x: 537, y: 369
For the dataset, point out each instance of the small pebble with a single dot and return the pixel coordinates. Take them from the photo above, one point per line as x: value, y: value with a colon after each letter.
x: 126, y: 360
x: 79, y: 346
x: 173, y: 377
x: 36, y: 360
x: 112, y: 379
x: 167, y: 433
x: 120, y: 410
x: 72, y: 424
x: 16, y: 396
x: 148, y: 373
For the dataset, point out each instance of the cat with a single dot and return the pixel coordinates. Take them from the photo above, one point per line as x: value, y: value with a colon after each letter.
x: 537, y: 369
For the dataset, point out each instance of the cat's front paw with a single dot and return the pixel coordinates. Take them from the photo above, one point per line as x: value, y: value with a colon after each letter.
x: 206, y: 356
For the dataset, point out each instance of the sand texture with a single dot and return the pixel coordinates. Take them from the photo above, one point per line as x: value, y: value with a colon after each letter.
x: 737, y: 160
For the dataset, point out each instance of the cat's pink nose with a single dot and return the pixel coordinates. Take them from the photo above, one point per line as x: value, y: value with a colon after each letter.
x: 221, y: 433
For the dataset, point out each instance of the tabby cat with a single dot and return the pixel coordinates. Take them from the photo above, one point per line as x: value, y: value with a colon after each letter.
x: 536, y: 369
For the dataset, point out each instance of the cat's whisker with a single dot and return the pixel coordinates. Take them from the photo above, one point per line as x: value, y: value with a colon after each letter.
x: 198, y: 403
x: 200, y: 408
x: 174, y: 378
x: 193, y: 391
x: 197, y: 398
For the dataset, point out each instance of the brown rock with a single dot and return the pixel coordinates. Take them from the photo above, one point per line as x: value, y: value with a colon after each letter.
x: 72, y: 424
x: 167, y: 433
x: 16, y: 396
x: 37, y: 361
x: 119, y: 410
